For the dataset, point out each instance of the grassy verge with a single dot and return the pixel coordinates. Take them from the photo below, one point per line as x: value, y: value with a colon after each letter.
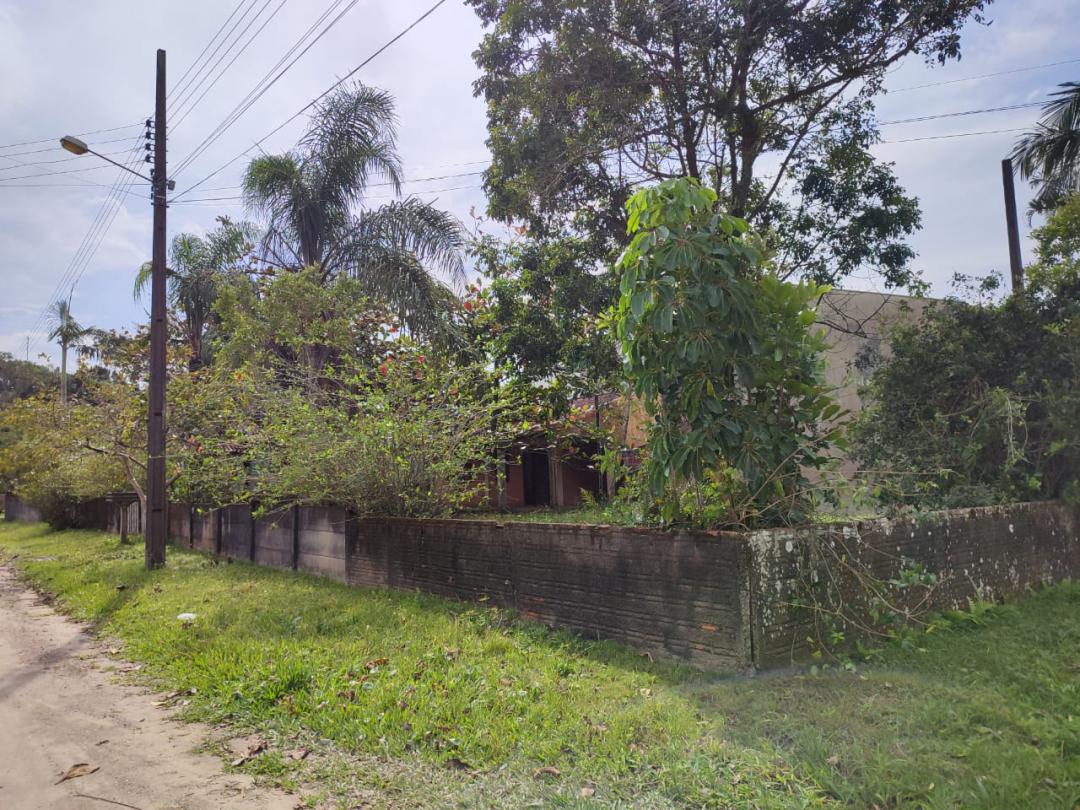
x: 409, y: 700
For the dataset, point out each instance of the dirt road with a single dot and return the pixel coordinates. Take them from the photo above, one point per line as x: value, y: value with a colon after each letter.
x: 60, y: 705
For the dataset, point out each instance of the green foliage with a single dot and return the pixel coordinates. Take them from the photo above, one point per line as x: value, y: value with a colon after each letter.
x: 1050, y: 155
x: 46, y: 456
x: 978, y: 403
x: 311, y: 196
x: 536, y: 314
x: 413, y: 437
x: 721, y: 353
x: 317, y: 397
x: 20, y: 379
x: 588, y: 99
x: 198, y: 267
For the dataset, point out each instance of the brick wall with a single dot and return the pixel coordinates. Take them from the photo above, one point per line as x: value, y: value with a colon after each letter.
x: 678, y: 594
x: 720, y: 600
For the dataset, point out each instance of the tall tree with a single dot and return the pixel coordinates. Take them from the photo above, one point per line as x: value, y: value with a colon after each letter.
x: 67, y: 332
x: 589, y: 98
x: 1049, y: 156
x: 197, y: 266
x: 313, y: 198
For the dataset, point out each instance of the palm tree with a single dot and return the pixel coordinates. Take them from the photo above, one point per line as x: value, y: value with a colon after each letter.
x: 1050, y: 155
x: 196, y: 268
x: 67, y: 332
x: 312, y: 198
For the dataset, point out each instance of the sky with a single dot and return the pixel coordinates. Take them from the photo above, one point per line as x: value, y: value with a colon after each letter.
x: 70, y: 68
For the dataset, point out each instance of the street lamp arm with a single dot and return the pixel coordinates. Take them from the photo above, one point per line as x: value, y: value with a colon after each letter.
x: 121, y: 165
x: 77, y: 147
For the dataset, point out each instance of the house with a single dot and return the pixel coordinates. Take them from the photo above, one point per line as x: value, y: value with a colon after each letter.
x: 540, y: 471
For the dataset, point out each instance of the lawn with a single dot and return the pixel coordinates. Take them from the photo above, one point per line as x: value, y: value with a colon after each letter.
x: 413, y: 701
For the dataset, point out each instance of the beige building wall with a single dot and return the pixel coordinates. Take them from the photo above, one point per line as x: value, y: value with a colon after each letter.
x: 856, y: 326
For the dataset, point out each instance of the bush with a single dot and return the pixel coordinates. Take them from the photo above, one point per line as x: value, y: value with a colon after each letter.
x: 979, y: 402
x: 722, y: 354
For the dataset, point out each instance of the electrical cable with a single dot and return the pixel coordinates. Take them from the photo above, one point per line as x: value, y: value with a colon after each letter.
x: 318, y: 98
x: 250, y: 100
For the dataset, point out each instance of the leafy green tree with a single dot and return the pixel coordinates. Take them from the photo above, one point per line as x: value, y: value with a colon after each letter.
x: 720, y: 351
x: 762, y: 101
x: 311, y: 196
x: 67, y: 332
x: 197, y: 267
x: 978, y: 402
x: 20, y: 379
x: 537, y: 314
x: 1050, y: 155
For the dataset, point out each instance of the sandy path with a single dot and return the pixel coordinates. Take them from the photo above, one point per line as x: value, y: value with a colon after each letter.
x: 60, y: 705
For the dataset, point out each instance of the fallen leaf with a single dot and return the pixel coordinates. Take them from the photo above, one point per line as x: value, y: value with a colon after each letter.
x: 452, y: 652
x: 645, y: 692
x: 456, y: 764
x: 587, y: 792
x: 121, y: 587
x: 833, y: 761
x: 370, y: 666
x: 129, y: 667
x: 101, y: 742
x: 246, y: 748
x: 547, y: 770
x: 77, y: 770
x: 299, y: 754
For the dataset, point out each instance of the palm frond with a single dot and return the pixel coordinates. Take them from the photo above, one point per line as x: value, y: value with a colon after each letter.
x: 397, y: 279
x: 1049, y: 156
x: 435, y: 237
x: 352, y: 139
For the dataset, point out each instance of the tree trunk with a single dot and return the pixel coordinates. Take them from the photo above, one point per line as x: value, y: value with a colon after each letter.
x: 63, y: 374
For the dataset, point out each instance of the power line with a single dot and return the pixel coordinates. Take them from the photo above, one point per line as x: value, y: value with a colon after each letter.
x: 87, y: 238
x: 984, y: 76
x: 56, y: 138
x: 57, y: 160
x: 371, y: 185
x: 318, y: 98
x: 258, y: 92
x: 1023, y: 106
x: 182, y: 90
x: 101, y: 223
x: 957, y: 135
x: 193, y: 104
x: 207, y: 47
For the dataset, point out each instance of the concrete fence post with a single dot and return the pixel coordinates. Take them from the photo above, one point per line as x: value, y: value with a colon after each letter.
x: 295, y: 538
x: 251, y: 547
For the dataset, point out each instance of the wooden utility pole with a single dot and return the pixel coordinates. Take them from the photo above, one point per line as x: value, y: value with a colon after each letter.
x: 157, y: 519
x: 1016, y: 265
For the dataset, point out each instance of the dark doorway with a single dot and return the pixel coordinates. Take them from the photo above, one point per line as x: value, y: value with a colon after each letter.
x: 537, y: 484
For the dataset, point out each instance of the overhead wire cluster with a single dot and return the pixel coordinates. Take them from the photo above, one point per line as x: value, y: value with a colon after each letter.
x: 234, y: 37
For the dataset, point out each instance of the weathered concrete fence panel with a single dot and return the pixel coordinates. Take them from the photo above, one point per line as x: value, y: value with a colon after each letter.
x: 720, y: 600
x: 986, y: 553
x: 677, y: 594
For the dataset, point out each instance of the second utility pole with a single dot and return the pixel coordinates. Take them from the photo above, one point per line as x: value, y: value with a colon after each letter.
x: 1016, y: 264
x: 157, y: 517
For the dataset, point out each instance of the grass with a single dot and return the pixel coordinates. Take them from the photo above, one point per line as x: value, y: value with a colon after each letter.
x: 408, y: 700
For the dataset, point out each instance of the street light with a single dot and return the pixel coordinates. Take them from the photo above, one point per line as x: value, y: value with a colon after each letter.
x: 79, y: 147
x: 157, y: 518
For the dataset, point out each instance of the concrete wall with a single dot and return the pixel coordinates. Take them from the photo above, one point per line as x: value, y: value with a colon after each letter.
x: 17, y: 509
x: 986, y: 553
x: 725, y: 601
